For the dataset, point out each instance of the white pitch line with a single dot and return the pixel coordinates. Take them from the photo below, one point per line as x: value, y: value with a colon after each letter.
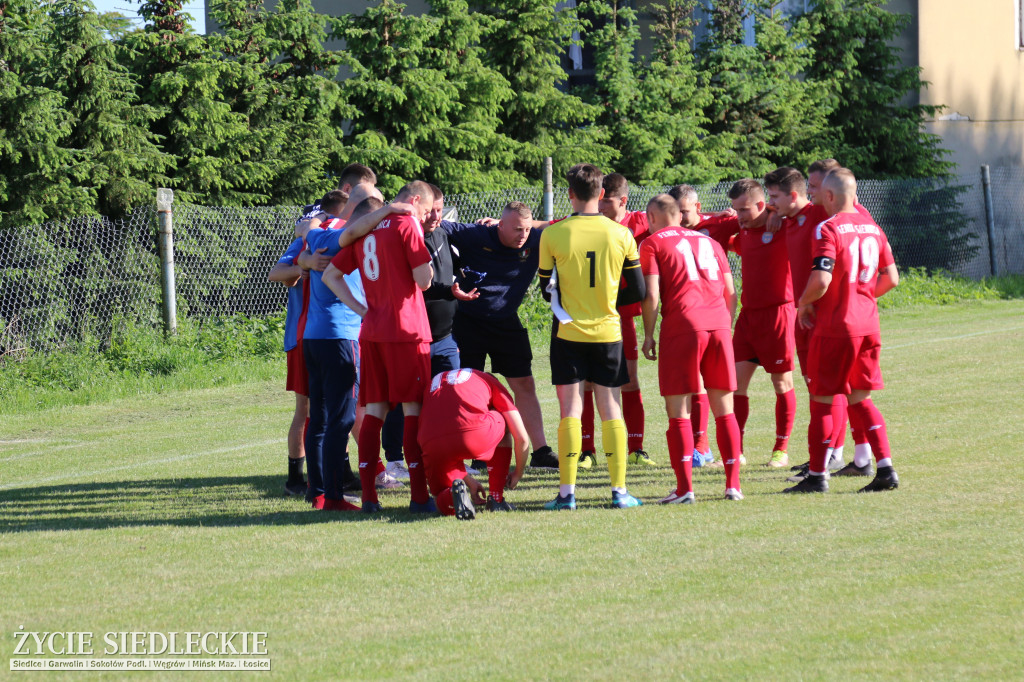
x: 952, y: 338
x: 33, y: 453
x: 124, y: 467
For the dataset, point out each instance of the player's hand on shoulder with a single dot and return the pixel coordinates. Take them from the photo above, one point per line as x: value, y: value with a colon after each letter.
x: 320, y: 260
x: 727, y: 213
x: 461, y: 295
x: 487, y: 221
x: 774, y: 222
x: 649, y: 349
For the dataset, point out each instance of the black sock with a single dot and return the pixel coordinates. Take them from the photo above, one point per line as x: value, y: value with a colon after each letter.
x: 295, y: 469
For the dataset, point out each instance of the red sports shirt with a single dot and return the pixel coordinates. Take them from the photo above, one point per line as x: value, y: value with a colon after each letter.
x: 859, y: 248
x: 764, y: 266
x: 457, y: 400
x: 719, y: 228
x: 636, y: 222
x: 799, y: 234
x: 386, y: 258
x: 691, y: 268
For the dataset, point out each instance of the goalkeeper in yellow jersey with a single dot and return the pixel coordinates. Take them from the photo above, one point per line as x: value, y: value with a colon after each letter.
x: 582, y: 261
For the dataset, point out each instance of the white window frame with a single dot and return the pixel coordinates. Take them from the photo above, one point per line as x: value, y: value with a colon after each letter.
x: 1018, y: 10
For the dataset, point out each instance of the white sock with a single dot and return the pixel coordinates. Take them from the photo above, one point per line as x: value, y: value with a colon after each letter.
x: 862, y: 454
x: 828, y: 455
x: 887, y: 462
x: 566, y: 490
x: 837, y: 453
x: 621, y: 491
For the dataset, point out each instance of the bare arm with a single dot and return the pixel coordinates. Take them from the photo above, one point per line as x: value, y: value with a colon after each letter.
x: 422, y: 275
x: 313, y: 261
x: 650, y: 316
x: 730, y: 294
x: 515, y: 426
x: 289, y: 275
x: 888, y: 278
x: 303, y: 227
x: 335, y: 281
x: 817, y: 285
x: 362, y: 226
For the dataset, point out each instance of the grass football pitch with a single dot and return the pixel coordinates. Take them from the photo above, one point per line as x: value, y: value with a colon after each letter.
x: 165, y: 513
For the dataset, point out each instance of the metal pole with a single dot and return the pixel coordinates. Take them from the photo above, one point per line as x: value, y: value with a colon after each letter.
x: 549, y: 195
x: 990, y: 219
x: 165, y: 242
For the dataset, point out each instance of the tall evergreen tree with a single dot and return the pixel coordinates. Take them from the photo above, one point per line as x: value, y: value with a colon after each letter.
x: 874, y: 112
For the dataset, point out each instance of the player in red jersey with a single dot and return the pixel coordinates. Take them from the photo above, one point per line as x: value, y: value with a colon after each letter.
x: 468, y: 414
x: 613, y: 207
x: 723, y: 225
x: 852, y: 265
x: 395, y: 337
x: 688, y: 274
x: 764, y: 328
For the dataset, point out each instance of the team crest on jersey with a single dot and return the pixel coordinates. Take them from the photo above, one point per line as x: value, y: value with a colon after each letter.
x: 705, y: 232
x: 767, y: 237
x: 524, y: 254
x: 800, y: 220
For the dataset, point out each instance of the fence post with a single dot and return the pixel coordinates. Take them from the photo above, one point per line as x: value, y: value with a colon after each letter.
x: 165, y: 243
x: 990, y: 218
x: 549, y: 195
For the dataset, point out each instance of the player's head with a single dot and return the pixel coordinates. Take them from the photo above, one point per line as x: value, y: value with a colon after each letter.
x: 839, y: 190
x: 356, y: 174
x: 356, y: 197
x: 585, y: 182
x: 334, y: 202
x: 616, y: 193
x: 419, y: 194
x: 787, y: 189
x: 433, y: 217
x: 816, y: 173
x: 688, y: 203
x: 367, y: 205
x: 515, y: 224
x: 662, y: 211
x: 747, y: 198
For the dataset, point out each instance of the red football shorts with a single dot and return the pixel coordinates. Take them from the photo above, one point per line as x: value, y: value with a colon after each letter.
x: 803, y: 343
x: 840, y: 365
x: 766, y: 335
x: 298, y: 377
x: 685, y: 358
x: 630, y: 347
x: 444, y: 456
x: 393, y: 372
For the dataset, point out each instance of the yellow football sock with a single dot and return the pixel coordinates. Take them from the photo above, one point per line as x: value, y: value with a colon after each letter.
x: 570, y: 443
x: 613, y: 438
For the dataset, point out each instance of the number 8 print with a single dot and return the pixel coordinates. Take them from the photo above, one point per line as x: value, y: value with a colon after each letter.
x: 371, y: 266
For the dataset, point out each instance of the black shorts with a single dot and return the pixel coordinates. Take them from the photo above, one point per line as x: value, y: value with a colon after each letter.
x: 574, y: 361
x: 505, y: 340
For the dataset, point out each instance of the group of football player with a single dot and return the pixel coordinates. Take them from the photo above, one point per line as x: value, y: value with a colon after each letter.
x: 393, y: 312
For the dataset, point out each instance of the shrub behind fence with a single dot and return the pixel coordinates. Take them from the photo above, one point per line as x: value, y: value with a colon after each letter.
x: 75, y: 280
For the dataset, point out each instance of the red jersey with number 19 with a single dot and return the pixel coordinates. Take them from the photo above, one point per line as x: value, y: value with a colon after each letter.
x: 858, y: 248
x: 690, y: 269
x: 386, y: 258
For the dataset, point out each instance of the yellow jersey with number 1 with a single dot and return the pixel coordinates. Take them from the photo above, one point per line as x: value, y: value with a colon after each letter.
x: 589, y: 254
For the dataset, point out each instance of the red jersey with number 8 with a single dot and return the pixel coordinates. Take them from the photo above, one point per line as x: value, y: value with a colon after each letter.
x: 386, y: 258
x: 690, y: 269
x: 858, y: 248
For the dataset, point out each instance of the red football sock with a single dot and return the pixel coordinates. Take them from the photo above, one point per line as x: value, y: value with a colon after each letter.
x: 728, y: 435
x: 414, y: 458
x: 680, y: 453
x: 819, y: 433
x: 369, y: 452
x: 497, y: 471
x: 588, y: 422
x: 742, y: 409
x: 869, y: 420
x: 444, y: 502
x: 839, y: 407
x: 785, y: 413
x: 380, y: 467
x: 633, y: 415
x: 699, y: 420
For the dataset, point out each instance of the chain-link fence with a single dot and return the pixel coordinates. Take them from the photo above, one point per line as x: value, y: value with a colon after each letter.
x: 76, y: 279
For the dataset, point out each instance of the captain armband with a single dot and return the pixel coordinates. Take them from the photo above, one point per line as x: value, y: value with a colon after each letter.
x: 823, y: 263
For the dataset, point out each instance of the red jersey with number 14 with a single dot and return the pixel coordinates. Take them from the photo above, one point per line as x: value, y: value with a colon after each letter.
x: 690, y: 268
x: 458, y: 400
x: 858, y: 248
x: 386, y: 258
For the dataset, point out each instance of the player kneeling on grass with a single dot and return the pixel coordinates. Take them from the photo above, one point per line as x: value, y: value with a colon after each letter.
x: 688, y: 274
x: 468, y: 414
x: 852, y: 266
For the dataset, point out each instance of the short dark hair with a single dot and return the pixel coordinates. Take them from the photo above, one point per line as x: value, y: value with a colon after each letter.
x: 680, y: 191
x: 519, y: 208
x: 585, y: 181
x: 367, y: 205
x: 823, y: 166
x: 356, y: 173
x: 787, y: 179
x: 615, y: 185
x: 438, y: 194
x: 746, y: 186
x: 333, y: 202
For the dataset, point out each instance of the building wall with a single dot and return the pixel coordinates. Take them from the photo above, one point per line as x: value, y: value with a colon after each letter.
x: 970, y: 54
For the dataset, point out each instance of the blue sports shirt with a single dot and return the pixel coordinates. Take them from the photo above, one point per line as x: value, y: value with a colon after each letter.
x: 329, y: 318
x: 294, y: 309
